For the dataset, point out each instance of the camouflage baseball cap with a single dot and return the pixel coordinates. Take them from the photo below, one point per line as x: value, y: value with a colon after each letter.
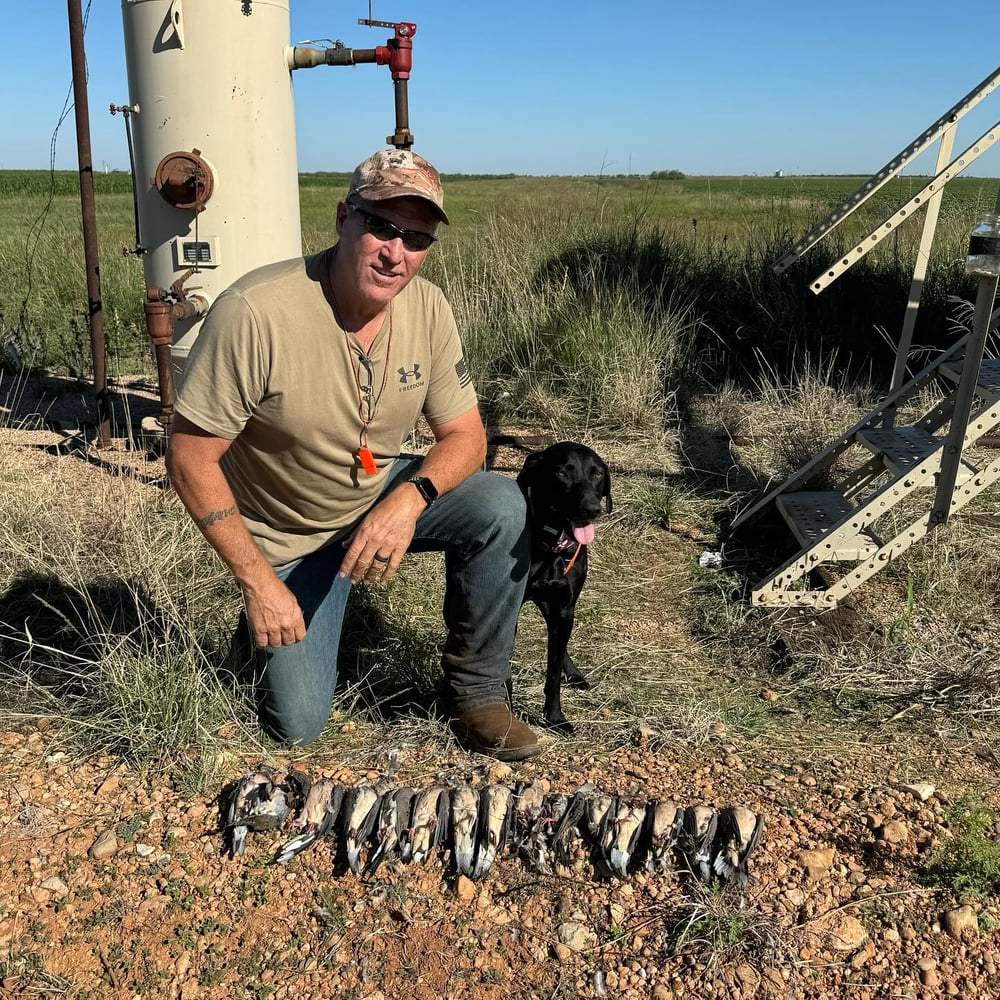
x: 398, y: 173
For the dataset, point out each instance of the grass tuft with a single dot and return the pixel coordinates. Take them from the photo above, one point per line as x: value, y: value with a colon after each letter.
x: 968, y: 862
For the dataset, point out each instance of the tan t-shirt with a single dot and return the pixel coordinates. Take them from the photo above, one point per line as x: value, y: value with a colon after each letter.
x: 271, y: 370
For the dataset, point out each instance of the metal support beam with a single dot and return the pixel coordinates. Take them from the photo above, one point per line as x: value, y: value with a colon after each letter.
x: 929, y: 195
x: 964, y: 397
x: 893, y: 167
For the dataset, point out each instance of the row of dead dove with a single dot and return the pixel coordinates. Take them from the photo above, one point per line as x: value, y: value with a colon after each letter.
x: 377, y: 822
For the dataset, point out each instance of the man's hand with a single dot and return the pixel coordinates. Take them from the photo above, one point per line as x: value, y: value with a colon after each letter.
x: 273, y: 614
x: 377, y: 546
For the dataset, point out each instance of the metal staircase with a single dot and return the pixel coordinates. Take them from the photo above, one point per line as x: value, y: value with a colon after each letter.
x: 878, y: 488
x: 883, y: 488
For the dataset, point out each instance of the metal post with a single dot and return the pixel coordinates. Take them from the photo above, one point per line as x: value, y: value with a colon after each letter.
x: 920, y: 270
x: 95, y: 308
x: 951, y: 457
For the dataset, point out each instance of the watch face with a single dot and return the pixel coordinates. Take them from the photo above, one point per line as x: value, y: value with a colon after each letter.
x: 425, y: 488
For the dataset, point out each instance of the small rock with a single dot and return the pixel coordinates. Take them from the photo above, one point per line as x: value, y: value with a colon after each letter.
x: 920, y: 789
x: 105, y: 846
x: 818, y: 862
x: 768, y: 694
x: 499, y: 772
x: 562, y: 952
x: 574, y: 935
x: 54, y: 884
x: 894, y: 832
x: 108, y: 785
x: 928, y: 972
x: 961, y: 922
x: 465, y: 888
x: 842, y: 932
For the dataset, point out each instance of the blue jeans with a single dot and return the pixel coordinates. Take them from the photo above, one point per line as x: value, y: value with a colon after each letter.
x: 480, y: 526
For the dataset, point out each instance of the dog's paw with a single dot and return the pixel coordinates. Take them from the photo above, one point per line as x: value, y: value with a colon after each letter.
x: 579, y: 682
x: 562, y: 727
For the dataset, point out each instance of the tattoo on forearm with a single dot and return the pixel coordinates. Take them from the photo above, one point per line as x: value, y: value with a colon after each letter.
x: 213, y: 516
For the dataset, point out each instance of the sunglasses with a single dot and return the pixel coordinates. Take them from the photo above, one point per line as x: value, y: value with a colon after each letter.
x: 383, y: 229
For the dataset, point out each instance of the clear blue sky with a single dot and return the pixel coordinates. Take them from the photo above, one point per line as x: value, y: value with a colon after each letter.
x: 532, y: 87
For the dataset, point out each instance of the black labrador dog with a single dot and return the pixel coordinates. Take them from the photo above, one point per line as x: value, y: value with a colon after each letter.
x: 564, y: 487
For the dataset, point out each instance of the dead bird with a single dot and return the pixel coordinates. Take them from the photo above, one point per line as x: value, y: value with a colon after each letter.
x: 296, y: 784
x: 318, y: 815
x: 429, y: 823
x: 736, y: 836
x: 626, y: 830
x: 257, y: 802
x: 494, y: 823
x: 464, y: 820
x: 362, y: 814
x: 385, y: 833
x: 665, y: 819
x: 405, y: 798
x: 569, y: 831
x: 696, y: 838
x: 597, y: 809
x: 528, y: 823
x: 554, y: 807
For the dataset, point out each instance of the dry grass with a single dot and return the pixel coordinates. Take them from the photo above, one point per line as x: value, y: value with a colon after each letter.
x: 115, y: 615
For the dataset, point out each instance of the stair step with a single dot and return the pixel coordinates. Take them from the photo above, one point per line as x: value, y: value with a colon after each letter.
x: 988, y: 383
x: 901, y: 448
x: 810, y: 516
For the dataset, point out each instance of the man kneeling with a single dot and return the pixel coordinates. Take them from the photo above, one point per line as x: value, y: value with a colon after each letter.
x: 299, y: 392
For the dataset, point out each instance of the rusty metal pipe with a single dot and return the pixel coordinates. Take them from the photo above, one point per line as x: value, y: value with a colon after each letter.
x: 161, y: 316
x: 95, y: 307
x: 304, y: 57
x: 402, y: 138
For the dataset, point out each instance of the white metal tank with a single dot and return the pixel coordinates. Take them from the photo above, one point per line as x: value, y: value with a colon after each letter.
x: 215, y: 161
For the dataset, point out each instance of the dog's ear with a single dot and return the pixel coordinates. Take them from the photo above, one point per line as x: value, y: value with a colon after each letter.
x: 529, y: 471
x: 606, y: 493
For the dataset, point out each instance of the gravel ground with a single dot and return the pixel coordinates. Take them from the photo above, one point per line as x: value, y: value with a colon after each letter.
x: 115, y: 883
x: 835, y: 907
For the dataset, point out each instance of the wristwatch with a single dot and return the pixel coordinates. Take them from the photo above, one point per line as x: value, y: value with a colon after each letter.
x: 425, y: 488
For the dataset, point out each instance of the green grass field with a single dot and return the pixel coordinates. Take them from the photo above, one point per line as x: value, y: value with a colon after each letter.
x: 704, y: 244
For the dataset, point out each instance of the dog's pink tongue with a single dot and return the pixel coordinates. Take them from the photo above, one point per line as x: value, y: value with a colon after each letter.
x: 583, y: 533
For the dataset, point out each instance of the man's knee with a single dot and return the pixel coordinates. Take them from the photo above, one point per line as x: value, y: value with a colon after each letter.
x: 501, y: 502
x: 294, y: 729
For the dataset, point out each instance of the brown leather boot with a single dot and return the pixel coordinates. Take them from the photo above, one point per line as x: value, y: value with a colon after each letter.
x: 494, y: 731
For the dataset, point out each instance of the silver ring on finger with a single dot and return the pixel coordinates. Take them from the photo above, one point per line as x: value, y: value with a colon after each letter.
x: 379, y: 558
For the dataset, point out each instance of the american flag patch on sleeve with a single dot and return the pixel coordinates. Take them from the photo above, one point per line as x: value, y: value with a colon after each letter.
x: 462, y: 371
